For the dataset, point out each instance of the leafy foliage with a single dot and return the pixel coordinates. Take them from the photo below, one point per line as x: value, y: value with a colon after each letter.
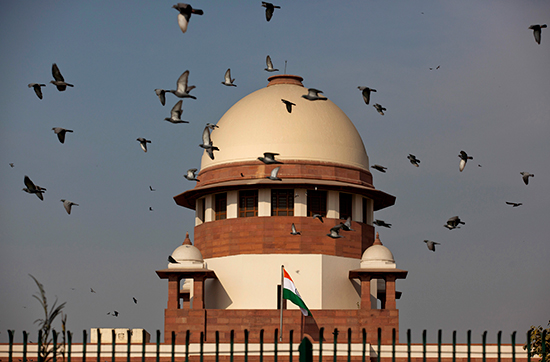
x: 50, y: 314
x: 535, y: 339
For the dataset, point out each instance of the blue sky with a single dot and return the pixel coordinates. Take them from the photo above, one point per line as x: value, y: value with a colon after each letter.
x: 489, y: 97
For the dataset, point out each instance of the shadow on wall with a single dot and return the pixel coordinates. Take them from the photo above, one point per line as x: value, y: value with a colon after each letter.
x: 219, y: 298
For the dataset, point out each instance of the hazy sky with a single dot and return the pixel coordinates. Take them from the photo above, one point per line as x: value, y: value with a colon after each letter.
x: 489, y: 97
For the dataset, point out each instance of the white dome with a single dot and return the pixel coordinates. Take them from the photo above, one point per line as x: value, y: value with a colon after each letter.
x: 260, y: 122
x: 377, y: 256
x: 187, y: 256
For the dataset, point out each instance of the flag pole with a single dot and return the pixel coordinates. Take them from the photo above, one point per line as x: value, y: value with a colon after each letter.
x: 281, y: 304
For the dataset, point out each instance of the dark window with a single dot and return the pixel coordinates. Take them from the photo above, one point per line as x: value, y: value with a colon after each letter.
x: 364, y: 210
x: 248, y: 203
x: 316, y: 202
x: 220, y: 206
x: 201, y: 208
x: 282, y: 202
x: 345, y: 205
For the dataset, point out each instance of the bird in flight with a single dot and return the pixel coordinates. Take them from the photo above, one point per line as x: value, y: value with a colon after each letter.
x: 335, y: 232
x: 161, y: 93
x: 415, y: 161
x: 269, y: 65
x: 379, y: 168
x: 313, y: 95
x: 293, y: 230
x: 346, y: 226
x: 33, y: 189
x: 143, y: 143
x: 269, y: 9
x: 463, y: 159
x: 365, y: 91
x: 11, y: 165
x: 182, y: 89
x: 67, y: 205
x: 59, y: 81
x: 227, y: 79
x: 514, y: 204
x: 269, y: 158
x: 453, y: 223
x: 318, y: 216
x: 135, y: 300
x: 37, y: 88
x: 207, y: 143
x: 274, y: 172
x: 191, y: 174
x: 175, y: 114
x: 379, y: 108
x: 431, y: 244
x: 92, y: 290
x: 525, y: 176
x: 60, y: 132
x: 152, y: 189
x: 382, y: 223
x: 537, y: 31
x: 288, y: 104
x: 185, y: 11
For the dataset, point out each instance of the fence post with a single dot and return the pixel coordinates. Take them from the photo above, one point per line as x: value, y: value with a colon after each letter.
x: 439, y: 338
x: 543, y: 345
x: 514, y: 346
x: 246, y: 345
x: 408, y: 345
x: 98, y: 345
x: 25, y: 338
x: 321, y: 337
x: 54, y: 337
x: 142, y: 345
x: 349, y: 344
x: 424, y: 345
x: 128, y: 345
x: 454, y: 346
x: 484, y: 343
x: 529, y: 346
x: 231, y: 345
x: 335, y: 333
x: 364, y: 332
x: 217, y: 346
x: 10, y: 335
x: 379, y: 344
x: 187, y: 338
x: 261, y: 345
x: 306, y: 350
x: 84, y: 341
x: 69, y: 345
x: 393, y: 332
x: 291, y: 336
x: 113, y: 346
x: 275, y: 345
x: 39, y: 346
x: 158, y: 345
x: 499, y: 336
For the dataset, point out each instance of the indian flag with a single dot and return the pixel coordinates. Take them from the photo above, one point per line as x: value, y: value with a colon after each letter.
x: 291, y: 293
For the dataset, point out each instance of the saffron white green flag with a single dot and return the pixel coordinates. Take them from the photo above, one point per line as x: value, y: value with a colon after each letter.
x: 291, y: 293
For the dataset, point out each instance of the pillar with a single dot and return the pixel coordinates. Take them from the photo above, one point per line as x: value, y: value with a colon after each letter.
x: 365, y: 293
x: 198, y: 292
x: 173, y: 292
x: 390, y: 292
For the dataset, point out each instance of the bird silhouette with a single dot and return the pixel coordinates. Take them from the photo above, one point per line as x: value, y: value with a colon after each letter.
x: 269, y: 158
x: 185, y: 11
x: 135, y: 300
x: 182, y: 89
x: 525, y: 176
x: 68, y: 205
x: 143, y: 143
x: 33, y: 189
x: 274, y: 172
x: 207, y: 143
x: 537, y: 31
x: 288, y: 104
x: 37, y: 88
x: 175, y: 114
x: 269, y: 9
x: 161, y: 93
x: 453, y: 223
x: 335, y: 232
x: 414, y: 161
x: 293, y: 230
x: 514, y: 204
x: 431, y: 244
x: 382, y: 223
x: 379, y: 108
x: 463, y: 159
x: 227, y: 79
x: 318, y: 216
x: 269, y: 65
x: 60, y: 132
x: 59, y: 81
x: 313, y: 95
x: 365, y: 91
x: 190, y: 175
x: 379, y: 168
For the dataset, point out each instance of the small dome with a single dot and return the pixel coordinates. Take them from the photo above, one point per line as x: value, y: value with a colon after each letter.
x: 187, y: 256
x: 260, y: 122
x: 377, y: 256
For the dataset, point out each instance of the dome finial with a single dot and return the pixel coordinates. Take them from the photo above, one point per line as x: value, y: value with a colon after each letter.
x: 187, y: 241
x: 377, y: 241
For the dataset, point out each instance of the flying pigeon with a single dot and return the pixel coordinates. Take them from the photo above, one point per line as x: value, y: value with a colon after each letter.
x: 185, y: 14
x: 273, y: 176
x: 59, y: 81
x: 183, y: 90
x: 335, y: 232
x: 313, y: 95
x: 60, y: 132
x: 269, y: 65
x: 431, y: 244
x: 150, y: 208
x: 537, y: 29
x: 366, y: 93
x: 114, y: 314
x: 288, y: 104
x: 415, y: 161
x: 135, y: 300
x: 68, y: 204
x: 379, y: 108
x: 143, y: 143
x: 172, y: 260
x: 207, y: 143
x: 33, y: 189
x: 37, y: 89
x: 526, y: 176
x: 175, y: 114
x: 318, y: 216
x: 11, y: 164
x: 212, y: 126
x: 379, y: 168
x: 294, y: 232
x: 269, y: 158
x: 191, y: 174
x: 152, y: 189
x: 269, y: 9
x: 382, y: 223
x: 453, y: 223
x: 92, y: 290
x: 463, y: 159
x: 514, y: 204
x: 227, y: 79
x: 346, y: 226
x: 161, y: 93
